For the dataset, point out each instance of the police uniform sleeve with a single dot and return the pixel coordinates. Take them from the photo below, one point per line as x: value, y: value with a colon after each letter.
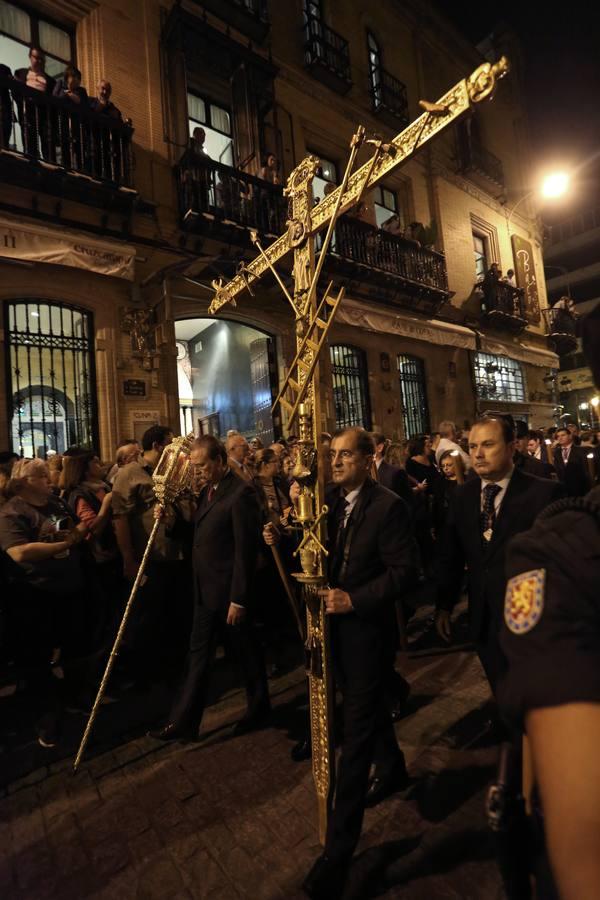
x: 551, y: 629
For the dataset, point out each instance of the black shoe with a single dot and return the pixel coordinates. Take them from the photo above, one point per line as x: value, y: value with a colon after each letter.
x: 171, y: 732
x: 326, y: 879
x: 302, y: 750
x: 383, y: 786
x: 251, y: 723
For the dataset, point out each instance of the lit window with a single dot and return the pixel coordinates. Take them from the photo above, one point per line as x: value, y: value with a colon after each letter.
x: 415, y: 410
x: 216, y: 122
x: 350, y: 387
x: 480, y: 254
x: 20, y: 29
x: 386, y: 205
x: 52, y: 392
x: 498, y: 378
x: 374, y: 70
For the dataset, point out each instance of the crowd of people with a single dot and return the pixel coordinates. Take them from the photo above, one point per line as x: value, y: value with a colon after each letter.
x: 49, y: 132
x: 74, y: 529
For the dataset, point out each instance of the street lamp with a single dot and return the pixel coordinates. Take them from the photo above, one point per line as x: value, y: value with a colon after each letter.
x: 554, y: 185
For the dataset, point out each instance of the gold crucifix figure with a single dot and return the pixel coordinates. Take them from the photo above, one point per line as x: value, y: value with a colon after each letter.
x: 300, y: 395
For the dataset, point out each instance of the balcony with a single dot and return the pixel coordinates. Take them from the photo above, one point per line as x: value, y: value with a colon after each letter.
x: 250, y: 17
x: 218, y: 200
x: 503, y: 306
x: 48, y: 145
x: 388, y: 269
x: 477, y: 163
x: 223, y: 203
x: 561, y: 330
x: 389, y: 100
x: 326, y: 56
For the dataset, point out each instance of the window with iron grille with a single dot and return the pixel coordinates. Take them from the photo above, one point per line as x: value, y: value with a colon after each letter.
x: 415, y: 409
x: 350, y: 387
x: 498, y: 378
x: 51, y: 377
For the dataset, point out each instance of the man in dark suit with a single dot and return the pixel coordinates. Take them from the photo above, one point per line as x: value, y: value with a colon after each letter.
x: 226, y: 544
x: 523, y: 461
x: 570, y: 462
x: 485, y: 513
x: 371, y: 562
x: 391, y: 477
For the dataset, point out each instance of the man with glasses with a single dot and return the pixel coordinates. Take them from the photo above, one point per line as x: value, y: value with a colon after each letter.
x: 371, y: 562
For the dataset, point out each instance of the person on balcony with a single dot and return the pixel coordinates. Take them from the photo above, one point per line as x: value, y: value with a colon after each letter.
x: 270, y: 170
x: 36, y: 122
x: 196, y: 177
x: 68, y: 89
x: 491, y: 287
x: 106, y: 146
x: 6, y: 110
x: 102, y: 104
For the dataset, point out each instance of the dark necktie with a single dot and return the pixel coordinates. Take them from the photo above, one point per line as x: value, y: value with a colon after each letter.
x: 340, y: 540
x: 488, y: 513
x: 211, y: 493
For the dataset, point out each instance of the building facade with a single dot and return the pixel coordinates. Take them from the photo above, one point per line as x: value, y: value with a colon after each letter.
x: 113, y: 229
x: 571, y: 254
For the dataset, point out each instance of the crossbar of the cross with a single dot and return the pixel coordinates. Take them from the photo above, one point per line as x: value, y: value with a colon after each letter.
x: 436, y: 117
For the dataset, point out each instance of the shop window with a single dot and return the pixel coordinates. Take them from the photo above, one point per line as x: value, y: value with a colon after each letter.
x: 498, y: 378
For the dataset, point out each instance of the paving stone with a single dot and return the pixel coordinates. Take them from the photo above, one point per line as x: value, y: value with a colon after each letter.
x: 145, y: 846
x: 159, y: 880
x: 110, y: 856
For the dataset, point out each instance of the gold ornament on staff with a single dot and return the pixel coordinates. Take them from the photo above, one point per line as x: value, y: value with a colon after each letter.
x: 171, y: 478
x: 300, y: 396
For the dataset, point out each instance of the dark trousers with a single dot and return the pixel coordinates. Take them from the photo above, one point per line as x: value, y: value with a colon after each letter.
x: 188, y: 708
x: 360, y: 655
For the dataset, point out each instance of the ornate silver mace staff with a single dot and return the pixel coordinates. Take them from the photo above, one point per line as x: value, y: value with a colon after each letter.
x: 171, y: 478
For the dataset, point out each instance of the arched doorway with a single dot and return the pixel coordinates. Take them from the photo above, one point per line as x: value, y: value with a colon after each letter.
x: 227, y: 378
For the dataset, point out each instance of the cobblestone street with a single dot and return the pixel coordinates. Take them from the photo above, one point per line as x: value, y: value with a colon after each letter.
x: 227, y: 818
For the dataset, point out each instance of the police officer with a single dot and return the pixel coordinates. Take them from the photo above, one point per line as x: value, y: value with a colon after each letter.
x: 551, y: 638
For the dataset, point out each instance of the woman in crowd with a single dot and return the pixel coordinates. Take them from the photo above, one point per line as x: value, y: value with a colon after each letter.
x: 45, y: 576
x: 419, y: 464
x: 89, y: 496
x: 453, y: 470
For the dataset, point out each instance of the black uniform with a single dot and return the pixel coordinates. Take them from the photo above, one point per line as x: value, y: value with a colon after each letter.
x: 551, y: 628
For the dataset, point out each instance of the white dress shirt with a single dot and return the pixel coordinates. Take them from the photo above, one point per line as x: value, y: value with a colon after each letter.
x: 351, y: 499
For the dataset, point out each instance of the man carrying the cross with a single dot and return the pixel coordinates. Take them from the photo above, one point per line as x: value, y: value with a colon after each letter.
x: 372, y: 561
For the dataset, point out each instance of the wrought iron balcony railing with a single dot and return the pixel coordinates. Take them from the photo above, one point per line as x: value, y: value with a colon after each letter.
x: 475, y: 158
x: 360, y: 243
x: 389, y: 96
x: 250, y: 17
x: 327, y: 55
x: 218, y: 198
x: 219, y: 194
x: 503, y: 305
x: 561, y: 329
x: 57, y: 132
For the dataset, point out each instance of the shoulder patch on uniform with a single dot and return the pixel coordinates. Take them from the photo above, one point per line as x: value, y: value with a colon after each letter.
x: 524, y: 601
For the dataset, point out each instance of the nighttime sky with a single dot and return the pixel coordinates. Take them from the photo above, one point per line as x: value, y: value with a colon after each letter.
x: 562, y: 56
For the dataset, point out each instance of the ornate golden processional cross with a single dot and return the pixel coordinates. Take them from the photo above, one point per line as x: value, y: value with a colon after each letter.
x: 300, y: 395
